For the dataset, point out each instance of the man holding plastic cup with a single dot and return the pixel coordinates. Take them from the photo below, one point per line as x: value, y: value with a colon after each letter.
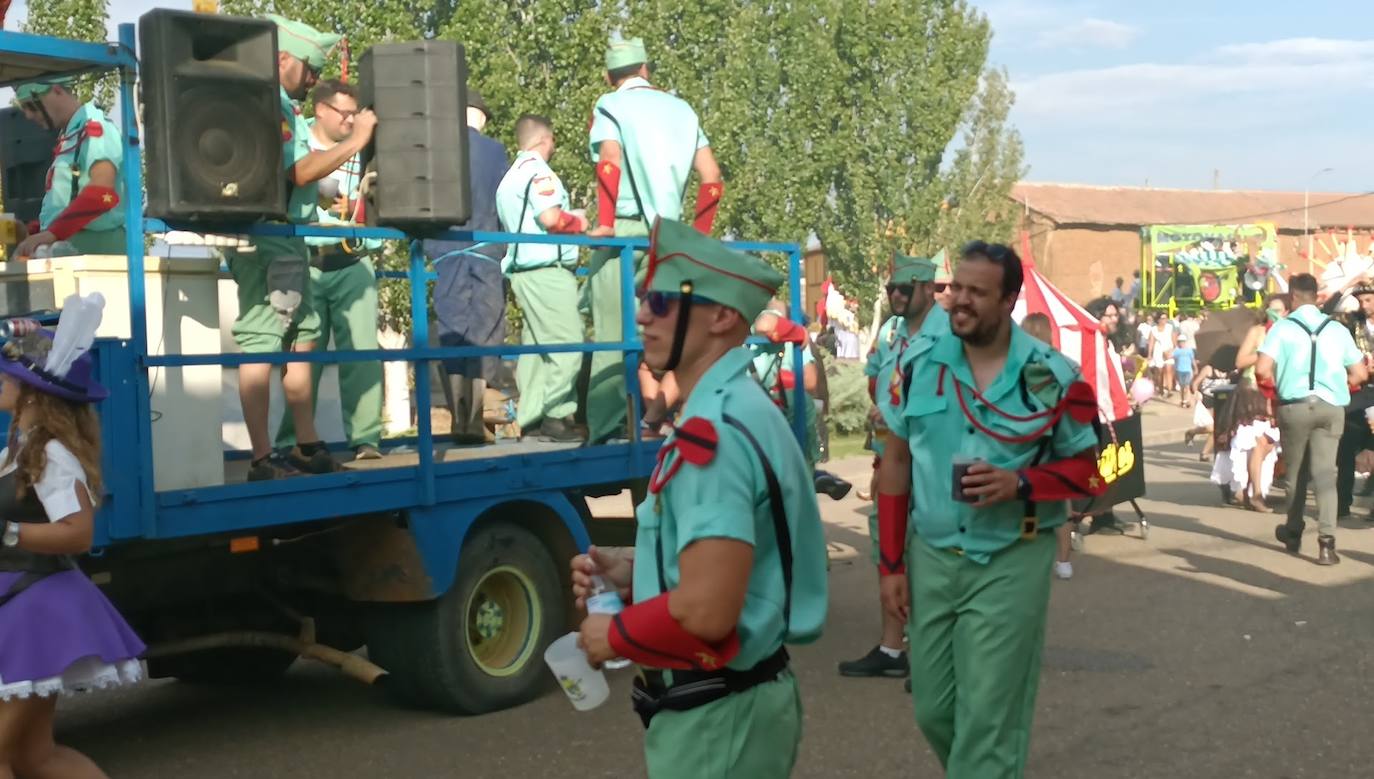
x: 729, y: 561
x: 1012, y: 420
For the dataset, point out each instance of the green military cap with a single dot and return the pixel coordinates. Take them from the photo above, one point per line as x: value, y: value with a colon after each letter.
x: 36, y: 89
x: 943, y: 273
x: 303, y: 42
x: 682, y: 259
x: 622, y: 53
x: 906, y: 270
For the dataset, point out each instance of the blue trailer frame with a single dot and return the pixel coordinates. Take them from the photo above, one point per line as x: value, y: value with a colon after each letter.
x: 427, y: 491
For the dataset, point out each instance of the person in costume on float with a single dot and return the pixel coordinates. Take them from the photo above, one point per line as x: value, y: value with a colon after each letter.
x: 729, y: 561
x: 1018, y: 421
x: 83, y: 186
x: 645, y: 142
x: 915, y: 314
x: 58, y: 633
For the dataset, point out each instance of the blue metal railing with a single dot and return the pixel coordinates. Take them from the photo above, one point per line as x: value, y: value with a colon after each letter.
x: 70, y: 57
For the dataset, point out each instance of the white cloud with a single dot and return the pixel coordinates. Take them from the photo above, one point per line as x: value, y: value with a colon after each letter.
x: 1230, y: 83
x: 1089, y: 33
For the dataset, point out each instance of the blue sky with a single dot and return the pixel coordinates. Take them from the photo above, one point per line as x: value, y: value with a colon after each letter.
x: 1169, y: 91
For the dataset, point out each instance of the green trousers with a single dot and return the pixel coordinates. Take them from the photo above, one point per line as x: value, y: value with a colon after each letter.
x: 99, y: 241
x: 548, y: 382
x: 749, y: 735
x: 976, y: 634
x: 346, y: 302
x: 606, y: 399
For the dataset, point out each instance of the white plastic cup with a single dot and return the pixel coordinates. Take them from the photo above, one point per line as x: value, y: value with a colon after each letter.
x: 1369, y: 414
x: 585, y: 686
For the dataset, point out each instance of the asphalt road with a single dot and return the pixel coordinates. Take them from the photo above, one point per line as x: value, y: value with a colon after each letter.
x: 1202, y: 652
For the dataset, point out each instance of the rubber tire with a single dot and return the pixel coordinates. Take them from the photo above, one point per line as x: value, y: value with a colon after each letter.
x: 226, y: 666
x: 423, y: 645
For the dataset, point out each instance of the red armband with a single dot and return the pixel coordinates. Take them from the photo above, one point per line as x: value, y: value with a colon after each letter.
x: 607, y: 192
x: 1076, y: 477
x: 788, y: 332
x: 569, y: 224
x: 90, y: 204
x: 873, y: 388
x: 893, y: 514
x: 708, y: 203
x: 647, y: 634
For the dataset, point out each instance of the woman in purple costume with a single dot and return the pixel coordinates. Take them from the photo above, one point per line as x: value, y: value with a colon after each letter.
x: 58, y: 633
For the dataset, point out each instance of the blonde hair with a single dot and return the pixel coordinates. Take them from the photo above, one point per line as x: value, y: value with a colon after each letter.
x: 1038, y: 325
x: 74, y: 425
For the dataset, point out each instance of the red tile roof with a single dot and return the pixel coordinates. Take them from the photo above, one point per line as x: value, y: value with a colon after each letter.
x: 1139, y: 206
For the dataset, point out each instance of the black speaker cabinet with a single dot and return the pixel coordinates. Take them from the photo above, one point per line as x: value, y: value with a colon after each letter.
x: 420, y: 152
x: 212, y: 117
x: 26, y: 152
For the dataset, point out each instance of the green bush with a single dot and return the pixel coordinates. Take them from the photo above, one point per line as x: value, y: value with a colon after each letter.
x: 849, y: 401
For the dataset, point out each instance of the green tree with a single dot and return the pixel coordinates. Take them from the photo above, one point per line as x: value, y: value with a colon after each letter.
x: 82, y: 20
x: 983, y: 170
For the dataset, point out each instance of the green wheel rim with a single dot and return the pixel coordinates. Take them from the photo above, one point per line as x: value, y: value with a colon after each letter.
x: 502, y: 618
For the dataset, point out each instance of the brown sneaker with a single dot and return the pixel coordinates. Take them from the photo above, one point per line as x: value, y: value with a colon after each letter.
x: 319, y: 461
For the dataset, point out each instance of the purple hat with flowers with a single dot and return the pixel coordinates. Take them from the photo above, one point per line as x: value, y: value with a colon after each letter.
x: 59, y: 362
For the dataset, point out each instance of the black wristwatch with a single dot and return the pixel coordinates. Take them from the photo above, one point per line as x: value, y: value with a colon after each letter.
x: 1023, y: 486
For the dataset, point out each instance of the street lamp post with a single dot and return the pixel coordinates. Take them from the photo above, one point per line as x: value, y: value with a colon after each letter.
x: 1306, y: 197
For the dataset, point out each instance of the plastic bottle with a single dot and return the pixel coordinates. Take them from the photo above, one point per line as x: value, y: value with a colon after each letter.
x: 604, y: 599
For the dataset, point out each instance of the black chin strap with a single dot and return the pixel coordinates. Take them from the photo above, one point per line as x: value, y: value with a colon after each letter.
x: 684, y: 315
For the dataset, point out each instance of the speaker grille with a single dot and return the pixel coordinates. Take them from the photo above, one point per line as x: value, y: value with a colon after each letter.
x: 25, y: 156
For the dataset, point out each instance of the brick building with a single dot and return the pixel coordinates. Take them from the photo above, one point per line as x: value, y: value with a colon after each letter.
x: 1083, y: 237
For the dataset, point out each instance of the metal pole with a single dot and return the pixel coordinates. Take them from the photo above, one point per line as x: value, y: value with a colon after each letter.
x: 628, y: 328
x: 799, y: 396
x: 138, y: 315
x: 419, y: 328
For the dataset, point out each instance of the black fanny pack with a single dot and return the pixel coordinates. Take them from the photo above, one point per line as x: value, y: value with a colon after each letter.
x: 332, y: 258
x: 691, y: 689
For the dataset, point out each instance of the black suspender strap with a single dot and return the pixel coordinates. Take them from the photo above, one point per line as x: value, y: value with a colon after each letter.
x: 776, y: 507
x: 1313, y: 335
x: 627, y: 167
x: 520, y: 223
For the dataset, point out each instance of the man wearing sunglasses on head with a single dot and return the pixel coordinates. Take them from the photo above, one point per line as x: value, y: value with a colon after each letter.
x: 729, y: 559
x: 83, y: 187
x: 910, y: 293
x: 275, y: 311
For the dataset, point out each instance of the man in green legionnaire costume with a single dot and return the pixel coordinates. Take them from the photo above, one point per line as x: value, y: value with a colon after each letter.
x: 645, y: 143
x: 915, y: 315
x: 84, y: 185
x: 729, y: 561
x: 996, y: 431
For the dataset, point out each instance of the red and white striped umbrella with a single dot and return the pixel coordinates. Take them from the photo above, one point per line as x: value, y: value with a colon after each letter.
x: 1077, y: 336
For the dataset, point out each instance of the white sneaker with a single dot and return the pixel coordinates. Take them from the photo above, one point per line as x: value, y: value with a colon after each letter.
x: 1063, y: 570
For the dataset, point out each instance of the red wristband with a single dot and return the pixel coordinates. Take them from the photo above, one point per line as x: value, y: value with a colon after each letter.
x: 568, y: 223
x: 647, y: 634
x: 89, y: 204
x: 1076, y: 477
x: 607, y: 192
x: 893, y: 514
x: 708, y: 203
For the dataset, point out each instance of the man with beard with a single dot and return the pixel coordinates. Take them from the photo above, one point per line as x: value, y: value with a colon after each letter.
x: 911, y: 294
x: 729, y: 560
x: 83, y: 186
x: 995, y: 434
x: 275, y: 311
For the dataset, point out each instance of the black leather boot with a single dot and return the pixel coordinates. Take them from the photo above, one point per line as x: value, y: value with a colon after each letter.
x: 1291, y: 541
x: 1326, y: 551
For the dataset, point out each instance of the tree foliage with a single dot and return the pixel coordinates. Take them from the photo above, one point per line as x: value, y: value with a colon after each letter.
x: 82, y: 20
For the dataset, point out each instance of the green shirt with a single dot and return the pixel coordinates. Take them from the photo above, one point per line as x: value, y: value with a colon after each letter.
x: 936, y: 430
x: 892, y: 340
x: 349, y: 176
x: 728, y: 498
x: 900, y: 352
x: 1291, y: 348
x: 89, y: 137
x: 302, y: 202
x: 659, y: 136
x: 529, y: 188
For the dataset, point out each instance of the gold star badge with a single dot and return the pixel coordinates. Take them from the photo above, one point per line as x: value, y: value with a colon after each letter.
x: 1093, y: 481
x: 715, y: 191
x: 707, y: 661
x: 606, y: 169
x: 107, y: 199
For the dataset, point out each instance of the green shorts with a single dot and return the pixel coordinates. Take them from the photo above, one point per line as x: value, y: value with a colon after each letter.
x: 275, y: 311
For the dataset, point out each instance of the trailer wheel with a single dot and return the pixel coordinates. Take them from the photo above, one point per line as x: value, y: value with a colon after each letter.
x: 480, y: 646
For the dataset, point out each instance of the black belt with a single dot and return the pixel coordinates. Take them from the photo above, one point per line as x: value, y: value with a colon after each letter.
x: 332, y: 258
x: 559, y: 265
x: 1307, y: 399
x: 691, y: 689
